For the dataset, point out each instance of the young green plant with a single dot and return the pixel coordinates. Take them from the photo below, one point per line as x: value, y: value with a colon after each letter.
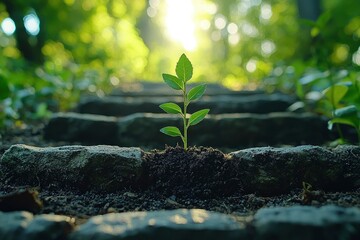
x: 184, y: 72
x: 344, y: 112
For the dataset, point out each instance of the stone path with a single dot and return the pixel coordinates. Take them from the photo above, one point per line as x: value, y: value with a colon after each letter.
x: 112, y: 167
x: 131, y: 117
x: 122, y: 106
x: 298, y: 222
x: 266, y: 170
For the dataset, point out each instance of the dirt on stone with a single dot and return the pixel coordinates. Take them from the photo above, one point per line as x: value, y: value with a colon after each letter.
x: 198, y: 172
x: 197, y: 178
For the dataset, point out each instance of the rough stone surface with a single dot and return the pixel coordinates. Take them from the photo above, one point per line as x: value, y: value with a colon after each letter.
x: 23, y: 225
x: 266, y: 171
x: 226, y: 130
x: 223, y: 130
x: 121, y: 106
x: 178, y: 224
x: 270, y: 171
x: 304, y: 222
x: 86, y: 128
x: 329, y: 222
x: 101, y: 167
x: 152, y: 89
x: 349, y: 155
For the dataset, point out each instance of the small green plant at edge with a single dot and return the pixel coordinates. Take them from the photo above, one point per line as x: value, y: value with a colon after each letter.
x: 184, y: 72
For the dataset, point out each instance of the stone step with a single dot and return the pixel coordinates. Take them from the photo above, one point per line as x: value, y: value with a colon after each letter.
x: 305, y: 222
x: 83, y: 128
x: 271, y: 171
x: 121, y: 106
x: 162, y: 225
x: 74, y: 166
x: 223, y: 130
x: 25, y: 225
x: 266, y: 171
x: 160, y: 89
x: 282, y: 223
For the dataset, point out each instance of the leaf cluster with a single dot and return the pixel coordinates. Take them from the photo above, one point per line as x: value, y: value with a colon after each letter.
x: 344, y: 98
x: 184, y: 72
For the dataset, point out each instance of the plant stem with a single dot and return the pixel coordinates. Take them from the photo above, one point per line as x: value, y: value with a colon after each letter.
x: 340, y: 132
x: 334, y: 109
x: 184, y: 118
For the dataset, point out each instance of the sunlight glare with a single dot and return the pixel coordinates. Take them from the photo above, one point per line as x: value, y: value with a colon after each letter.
x: 205, y: 25
x: 180, y: 24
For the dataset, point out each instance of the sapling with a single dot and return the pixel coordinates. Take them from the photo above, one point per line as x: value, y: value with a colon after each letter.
x: 184, y: 72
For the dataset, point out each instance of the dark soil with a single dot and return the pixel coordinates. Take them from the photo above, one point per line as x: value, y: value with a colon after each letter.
x: 197, y: 178
x: 198, y: 173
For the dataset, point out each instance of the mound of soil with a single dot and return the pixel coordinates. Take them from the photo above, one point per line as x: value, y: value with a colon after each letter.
x: 198, y: 172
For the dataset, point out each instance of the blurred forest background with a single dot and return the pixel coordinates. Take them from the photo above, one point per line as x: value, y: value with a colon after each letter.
x: 52, y: 51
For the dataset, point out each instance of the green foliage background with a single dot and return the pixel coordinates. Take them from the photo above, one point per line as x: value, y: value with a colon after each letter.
x: 94, y: 45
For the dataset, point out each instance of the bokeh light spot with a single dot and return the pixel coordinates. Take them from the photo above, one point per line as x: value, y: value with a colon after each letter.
x: 251, y: 66
x: 32, y: 24
x: 8, y: 26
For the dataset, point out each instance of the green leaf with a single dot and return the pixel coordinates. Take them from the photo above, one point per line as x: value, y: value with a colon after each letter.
x: 184, y: 69
x: 42, y: 111
x: 171, y: 131
x: 196, y: 92
x: 308, y: 23
x: 312, y: 77
x: 173, y: 82
x: 335, y: 93
x: 340, y: 121
x: 171, y: 108
x: 349, y: 111
x: 346, y: 115
x: 198, y: 116
x: 323, y: 19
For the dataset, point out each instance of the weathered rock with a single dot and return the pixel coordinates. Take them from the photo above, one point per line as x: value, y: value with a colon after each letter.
x: 223, y: 130
x: 282, y: 223
x: 86, y: 128
x: 23, y: 225
x: 157, y: 89
x: 121, y: 106
x: 143, y: 129
x: 349, y: 155
x: 226, y: 130
x: 178, y: 224
x: 13, y: 224
x: 47, y: 226
x: 304, y: 222
x: 99, y: 167
x: 271, y: 171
